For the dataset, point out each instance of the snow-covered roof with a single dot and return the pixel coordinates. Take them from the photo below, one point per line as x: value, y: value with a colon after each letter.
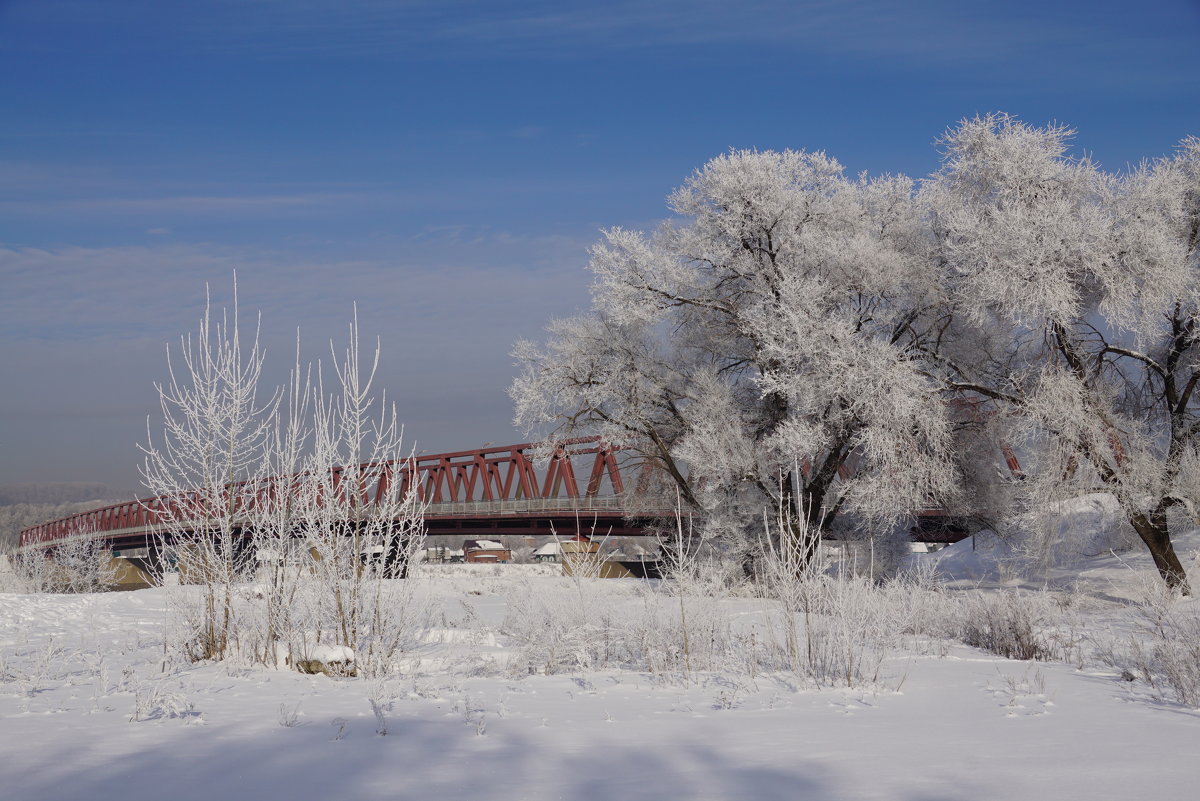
x: 549, y: 549
x: 489, y: 545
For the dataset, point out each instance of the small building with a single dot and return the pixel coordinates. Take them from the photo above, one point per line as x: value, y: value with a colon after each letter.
x: 485, y: 551
x: 440, y: 554
x: 579, y: 544
x: 550, y: 552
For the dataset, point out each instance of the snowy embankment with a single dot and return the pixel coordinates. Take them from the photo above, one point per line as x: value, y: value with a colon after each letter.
x: 92, y: 706
x: 1090, y: 548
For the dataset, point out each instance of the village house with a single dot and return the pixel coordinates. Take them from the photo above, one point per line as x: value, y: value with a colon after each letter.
x: 485, y: 551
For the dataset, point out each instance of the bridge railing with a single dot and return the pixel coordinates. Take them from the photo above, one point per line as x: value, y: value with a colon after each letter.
x: 607, y: 503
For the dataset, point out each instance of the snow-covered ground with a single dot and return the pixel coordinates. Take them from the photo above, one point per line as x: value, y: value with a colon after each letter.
x: 91, y: 707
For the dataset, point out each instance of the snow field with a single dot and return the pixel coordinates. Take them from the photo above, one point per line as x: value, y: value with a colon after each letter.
x: 541, y: 687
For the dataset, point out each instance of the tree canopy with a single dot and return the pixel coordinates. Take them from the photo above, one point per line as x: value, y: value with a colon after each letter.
x: 801, y: 343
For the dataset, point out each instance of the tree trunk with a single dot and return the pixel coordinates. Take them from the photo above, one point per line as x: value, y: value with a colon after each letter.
x: 1153, y: 530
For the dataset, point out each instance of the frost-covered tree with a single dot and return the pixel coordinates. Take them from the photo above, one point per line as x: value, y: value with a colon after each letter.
x: 207, y: 459
x: 757, y: 349
x: 1076, y: 294
x: 303, y: 491
x: 355, y: 518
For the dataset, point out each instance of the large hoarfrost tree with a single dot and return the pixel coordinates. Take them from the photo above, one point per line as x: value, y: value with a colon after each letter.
x: 1077, y: 293
x: 758, y: 348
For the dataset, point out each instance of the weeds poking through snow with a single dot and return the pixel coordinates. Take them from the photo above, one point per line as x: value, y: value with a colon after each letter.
x: 35, y: 673
x: 339, y: 724
x: 152, y: 702
x: 289, y: 716
x: 472, y: 715
x: 380, y: 698
x: 1031, y: 682
x: 825, y: 630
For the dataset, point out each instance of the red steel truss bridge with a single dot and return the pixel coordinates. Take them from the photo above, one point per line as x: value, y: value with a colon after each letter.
x: 487, y: 492
x: 492, y: 491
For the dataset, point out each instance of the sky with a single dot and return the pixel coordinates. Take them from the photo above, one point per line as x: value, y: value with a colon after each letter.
x: 446, y: 164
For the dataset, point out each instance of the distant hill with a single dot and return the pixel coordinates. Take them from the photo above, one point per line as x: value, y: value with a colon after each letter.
x: 23, y: 505
x: 59, y: 492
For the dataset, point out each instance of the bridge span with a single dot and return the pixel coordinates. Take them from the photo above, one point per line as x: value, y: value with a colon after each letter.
x: 491, y: 491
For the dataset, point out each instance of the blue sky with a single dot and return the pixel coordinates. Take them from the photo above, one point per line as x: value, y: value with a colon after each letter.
x: 446, y: 163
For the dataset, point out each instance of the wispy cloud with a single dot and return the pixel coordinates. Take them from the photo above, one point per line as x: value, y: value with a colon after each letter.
x: 929, y: 29
x: 30, y: 187
x: 207, y: 204
x: 1019, y: 38
x: 191, y: 205
x: 529, y: 131
x: 551, y: 27
x: 75, y: 200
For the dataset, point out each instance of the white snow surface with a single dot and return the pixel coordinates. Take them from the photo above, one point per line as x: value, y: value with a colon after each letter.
x: 329, y: 654
x: 87, y: 711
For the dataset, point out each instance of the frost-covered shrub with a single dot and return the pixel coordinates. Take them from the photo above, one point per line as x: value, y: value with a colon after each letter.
x: 391, y: 617
x: 152, y: 701
x: 698, y: 578
x: 829, y: 630
x: 1164, y: 648
x: 1009, y: 624
x: 328, y: 546
x: 562, y: 627
x: 918, y: 605
x: 77, y: 565
x: 835, y: 629
x: 9, y: 580
x: 1177, y: 656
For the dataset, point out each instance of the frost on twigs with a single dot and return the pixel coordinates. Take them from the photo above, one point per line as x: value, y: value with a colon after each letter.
x: 326, y: 542
x: 81, y: 562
